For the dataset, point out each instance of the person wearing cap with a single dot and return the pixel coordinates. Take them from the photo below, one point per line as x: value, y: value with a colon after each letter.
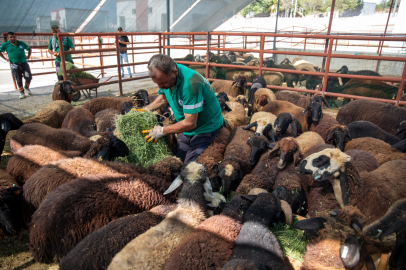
x: 123, y: 41
x: 18, y: 62
x: 53, y: 49
x: 194, y: 105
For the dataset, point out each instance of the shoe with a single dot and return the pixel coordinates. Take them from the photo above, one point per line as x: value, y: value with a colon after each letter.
x: 22, y: 95
x: 28, y: 91
x: 131, y: 76
x: 122, y: 75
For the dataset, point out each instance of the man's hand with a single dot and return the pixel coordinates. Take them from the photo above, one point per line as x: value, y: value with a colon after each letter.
x: 145, y: 109
x: 154, y: 134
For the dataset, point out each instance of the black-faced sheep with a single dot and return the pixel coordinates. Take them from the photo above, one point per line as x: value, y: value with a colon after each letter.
x: 10, y: 221
x: 63, y: 91
x: 401, y: 128
x: 382, y: 151
x: 52, y: 115
x: 214, y: 154
x: 98, y: 249
x: 105, y: 145
x: 287, y: 187
x: 81, y: 121
x: 233, y: 89
x: 255, y: 242
x: 151, y: 249
x: 344, y: 70
x: 262, y: 96
x: 294, y: 97
x: 371, y: 192
x: 211, y: 244
x: 360, y: 129
x: 106, y: 119
x: 88, y: 204
x: 262, y: 122
x: 141, y: 98
x: 96, y: 105
x: 223, y: 96
x: 260, y: 80
x: 386, y: 116
x: 289, y: 77
x: 282, y: 123
x: 235, y: 164
x: 235, y: 117
x: 331, y: 131
x: 7, y: 122
x: 242, y: 100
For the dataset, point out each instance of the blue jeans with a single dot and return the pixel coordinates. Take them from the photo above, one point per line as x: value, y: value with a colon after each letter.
x: 124, y: 60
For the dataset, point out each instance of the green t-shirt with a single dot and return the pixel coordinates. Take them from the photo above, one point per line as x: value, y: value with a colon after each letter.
x: 67, y: 44
x: 15, y: 53
x: 194, y: 94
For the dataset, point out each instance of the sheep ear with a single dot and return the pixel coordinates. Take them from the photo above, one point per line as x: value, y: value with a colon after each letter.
x: 234, y: 82
x: 349, y: 252
x: 306, y: 110
x: 348, y: 136
x: 272, y: 134
x: 294, y: 128
x: 104, y: 154
x: 251, y: 198
x: 310, y: 224
x: 175, y: 184
x: 274, y: 150
x: 325, y: 101
x: 369, y: 262
x: 5, y: 126
x: 394, y: 228
x: 296, y: 156
x: 276, y: 122
x: 227, y: 108
x: 255, y: 124
x: 356, y: 224
x: 330, y: 136
x: 207, y: 187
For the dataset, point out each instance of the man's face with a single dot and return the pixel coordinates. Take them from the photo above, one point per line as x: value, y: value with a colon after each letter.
x: 12, y: 39
x: 120, y: 31
x: 55, y: 31
x: 165, y: 81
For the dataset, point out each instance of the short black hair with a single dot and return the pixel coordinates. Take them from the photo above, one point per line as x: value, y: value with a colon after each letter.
x: 54, y: 27
x: 10, y: 33
x: 120, y: 29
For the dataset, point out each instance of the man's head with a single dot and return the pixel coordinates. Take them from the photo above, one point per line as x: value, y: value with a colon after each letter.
x: 120, y: 29
x: 12, y: 37
x: 162, y: 70
x: 55, y: 30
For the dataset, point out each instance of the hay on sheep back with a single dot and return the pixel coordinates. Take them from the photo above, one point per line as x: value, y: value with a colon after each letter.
x: 129, y: 127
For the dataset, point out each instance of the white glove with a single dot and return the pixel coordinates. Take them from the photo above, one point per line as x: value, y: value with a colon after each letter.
x: 154, y: 134
x: 145, y: 109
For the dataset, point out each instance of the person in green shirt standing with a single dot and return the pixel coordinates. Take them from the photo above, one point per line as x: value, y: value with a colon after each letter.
x: 53, y: 48
x: 18, y: 62
x: 194, y: 105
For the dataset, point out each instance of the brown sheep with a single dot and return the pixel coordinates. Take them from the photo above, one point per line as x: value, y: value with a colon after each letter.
x: 81, y: 121
x: 106, y: 119
x: 294, y: 97
x: 6, y: 180
x: 273, y: 78
x: 381, y: 150
x: 384, y: 115
x: 63, y: 90
x: 96, y: 105
x: 369, y: 88
x: 262, y: 97
x: 168, y: 168
x: 52, y: 115
x: 236, y: 117
x: 233, y: 89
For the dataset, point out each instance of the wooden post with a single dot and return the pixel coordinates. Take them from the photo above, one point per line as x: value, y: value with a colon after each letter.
x: 120, y: 84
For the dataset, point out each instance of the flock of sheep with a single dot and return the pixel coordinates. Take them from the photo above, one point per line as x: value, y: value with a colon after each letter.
x: 276, y: 155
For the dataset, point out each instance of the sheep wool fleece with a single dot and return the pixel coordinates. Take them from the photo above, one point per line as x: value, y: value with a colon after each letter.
x: 193, y: 94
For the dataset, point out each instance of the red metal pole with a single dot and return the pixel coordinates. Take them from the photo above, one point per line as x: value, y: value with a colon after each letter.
x: 193, y: 44
x: 384, y: 34
x: 62, y: 55
x: 120, y: 84
x: 132, y: 46
x: 101, y: 55
x: 218, y: 41
x: 401, y: 85
x: 325, y: 78
x: 190, y: 43
x: 81, y: 48
x: 261, y: 54
x: 207, y: 56
x: 245, y: 44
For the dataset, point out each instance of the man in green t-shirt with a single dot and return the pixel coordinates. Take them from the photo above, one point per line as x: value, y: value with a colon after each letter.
x: 53, y: 48
x: 18, y: 62
x: 194, y: 105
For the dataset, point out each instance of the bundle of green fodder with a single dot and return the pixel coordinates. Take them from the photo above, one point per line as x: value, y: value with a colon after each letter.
x: 291, y: 240
x: 129, y: 127
x: 74, y: 75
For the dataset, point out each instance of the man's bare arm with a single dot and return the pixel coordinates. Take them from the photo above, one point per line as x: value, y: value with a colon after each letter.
x: 189, y: 123
x: 29, y: 54
x: 2, y: 56
x: 157, y: 103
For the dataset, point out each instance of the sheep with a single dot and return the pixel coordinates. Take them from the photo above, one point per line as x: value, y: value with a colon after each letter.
x: 213, y: 154
x: 260, y: 80
x: 273, y: 77
x: 286, y: 61
x: 380, y: 149
x: 255, y: 243
x: 401, y: 146
x: 235, y: 117
x: 282, y: 123
x: 360, y: 129
x: 294, y: 97
x: 303, y: 64
x: 253, y: 89
x: 287, y: 187
x: 330, y: 130
x: 63, y: 91
x: 6, y: 180
x: 167, y: 169
x: 368, y: 88
x: 262, y: 121
x: 96, y: 105
x: 97, y: 250
x: 262, y: 97
x: 88, y: 204
x: 235, y: 164
x: 401, y: 128
x: 242, y: 100
x: 10, y: 218
x: 344, y: 70
x: 104, y: 146
x: 385, y: 116
x: 379, y: 188
x: 105, y: 119
x: 80, y: 121
x: 8, y: 122
x: 232, y: 90
x: 223, y: 96
x: 27, y: 160
x: 52, y: 115
x: 151, y: 249
x: 289, y: 77
x: 210, y: 245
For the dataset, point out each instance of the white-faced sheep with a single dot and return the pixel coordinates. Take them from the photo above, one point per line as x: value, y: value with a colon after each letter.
x: 98, y: 104
x: 233, y: 89
x: 52, y: 115
x: 63, y: 90
x: 210, y: 245
x: 235, y: 117
x: 98, y: 249
x: 105, y: 145
x: 360, y: 129
x: 151, y: 249
x: 371, y: 192
x: 382, y: 151
x: 386, y: 116
x: 81, y: 121
x: 88, y: 204
x: 8, y: 122
x: 106, y: 119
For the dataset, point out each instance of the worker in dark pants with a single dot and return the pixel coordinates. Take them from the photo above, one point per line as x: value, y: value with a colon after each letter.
x: 123, y: 41
x: 194, y: 105
x: 18, y: 62
x: 53, y: 49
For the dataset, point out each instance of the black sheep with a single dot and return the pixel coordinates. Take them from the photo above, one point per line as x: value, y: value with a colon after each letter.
x: 401, y: 146
x: 260, y: 80
x: 359, y: 129
x: 401, y: 128
x: 7, y: 122
x: 141, y: 98
x: 11, y: 221
x: 344, y: 70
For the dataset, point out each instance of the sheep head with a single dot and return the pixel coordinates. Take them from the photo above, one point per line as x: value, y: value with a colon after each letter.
x: 288, y: 188
x: 320, y: 98
x: 142, y: 97
x: 9, y: 122
x: 401, y: 128
x: 282, y: 123
x: 262, y: 100
x: 259, y: 144
x: 288, y: 149
x: 107, y: 147
x: 339, y: 136
x: 126, y: 107
x: 315, y: 111
x: 241, y: 83
x: 242, y: 100
x: 223, y: 105
x: 343, y: 70
x: 10, y: 217
x: 230, y: 173
x: 222, y: 96
x: 286, y: 61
